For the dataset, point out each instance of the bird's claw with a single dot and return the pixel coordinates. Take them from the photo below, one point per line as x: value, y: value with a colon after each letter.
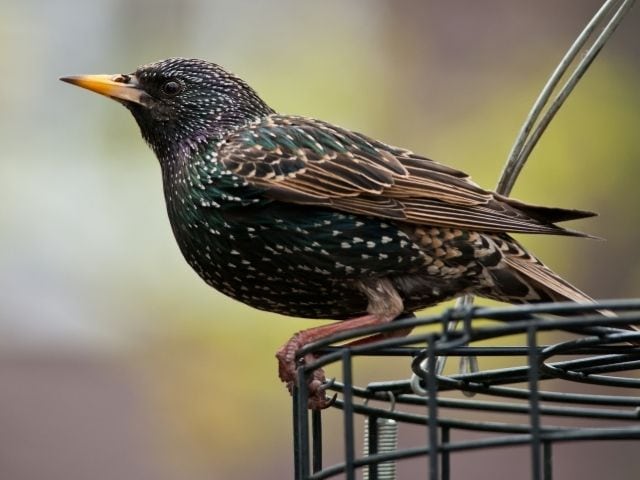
x: 317, y: 384
x: 328, y: 383
x: 321, y: 401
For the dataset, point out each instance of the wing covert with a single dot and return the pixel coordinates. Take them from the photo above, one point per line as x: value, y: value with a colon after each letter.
x: 305, y: 161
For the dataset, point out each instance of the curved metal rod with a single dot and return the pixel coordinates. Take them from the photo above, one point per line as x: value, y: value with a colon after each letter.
x: 524, y: 143
x: 528, y: 137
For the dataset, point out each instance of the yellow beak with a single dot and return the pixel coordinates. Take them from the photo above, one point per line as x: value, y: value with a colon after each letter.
x: 117, y: 87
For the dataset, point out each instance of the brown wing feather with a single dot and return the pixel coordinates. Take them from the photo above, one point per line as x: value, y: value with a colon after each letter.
x: 306, y: 161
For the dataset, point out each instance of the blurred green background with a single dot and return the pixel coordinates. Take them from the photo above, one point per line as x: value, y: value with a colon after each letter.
x: 116, y: 360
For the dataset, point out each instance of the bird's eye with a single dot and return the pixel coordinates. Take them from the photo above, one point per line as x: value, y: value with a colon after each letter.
x: 171, y: 88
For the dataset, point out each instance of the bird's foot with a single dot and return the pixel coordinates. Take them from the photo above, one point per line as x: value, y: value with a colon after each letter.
x: 317, y: 383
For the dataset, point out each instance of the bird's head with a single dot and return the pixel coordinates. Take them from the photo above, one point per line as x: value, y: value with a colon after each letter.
x: 180, y: 103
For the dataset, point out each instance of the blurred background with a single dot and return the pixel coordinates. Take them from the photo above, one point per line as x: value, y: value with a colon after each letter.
x: 116, y: 360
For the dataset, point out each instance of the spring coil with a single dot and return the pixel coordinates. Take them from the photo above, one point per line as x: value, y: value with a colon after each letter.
x: 387, y: 442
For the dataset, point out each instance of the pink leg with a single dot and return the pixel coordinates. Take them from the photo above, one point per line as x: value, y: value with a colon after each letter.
x: 286, y: 354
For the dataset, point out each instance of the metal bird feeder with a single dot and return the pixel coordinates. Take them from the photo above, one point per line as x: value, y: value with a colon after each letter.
x: 583, y: 387
x: 539, y: 400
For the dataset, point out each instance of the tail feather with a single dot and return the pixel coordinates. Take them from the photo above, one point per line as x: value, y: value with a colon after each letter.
x: 519, y: 277
x: 543, y: 279
x: 516, y: 276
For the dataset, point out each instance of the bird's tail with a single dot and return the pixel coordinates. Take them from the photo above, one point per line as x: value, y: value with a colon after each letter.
x: 515, y: 276
x: 519, y: 277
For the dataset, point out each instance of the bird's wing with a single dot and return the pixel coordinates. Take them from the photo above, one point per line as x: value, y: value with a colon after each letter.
x: 305, y: 161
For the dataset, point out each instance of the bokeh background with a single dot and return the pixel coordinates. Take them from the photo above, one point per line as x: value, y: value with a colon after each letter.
x: 116, y: 361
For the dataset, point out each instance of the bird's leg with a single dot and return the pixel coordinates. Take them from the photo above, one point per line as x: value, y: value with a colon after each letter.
x: 385, y: 305
x: 286, y: 355
x: 399, y: 332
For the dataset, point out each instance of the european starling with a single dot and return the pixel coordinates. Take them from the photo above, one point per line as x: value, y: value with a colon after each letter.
x: 300, y: 217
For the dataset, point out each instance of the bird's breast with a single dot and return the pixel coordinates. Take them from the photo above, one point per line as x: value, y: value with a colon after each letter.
x: 290, y: 259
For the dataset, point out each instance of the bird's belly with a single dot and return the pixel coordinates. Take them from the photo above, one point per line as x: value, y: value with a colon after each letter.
x: 276, y: 282
x: 295, y: 260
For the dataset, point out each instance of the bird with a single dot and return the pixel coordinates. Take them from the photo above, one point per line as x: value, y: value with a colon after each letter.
x: 304, y: 218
